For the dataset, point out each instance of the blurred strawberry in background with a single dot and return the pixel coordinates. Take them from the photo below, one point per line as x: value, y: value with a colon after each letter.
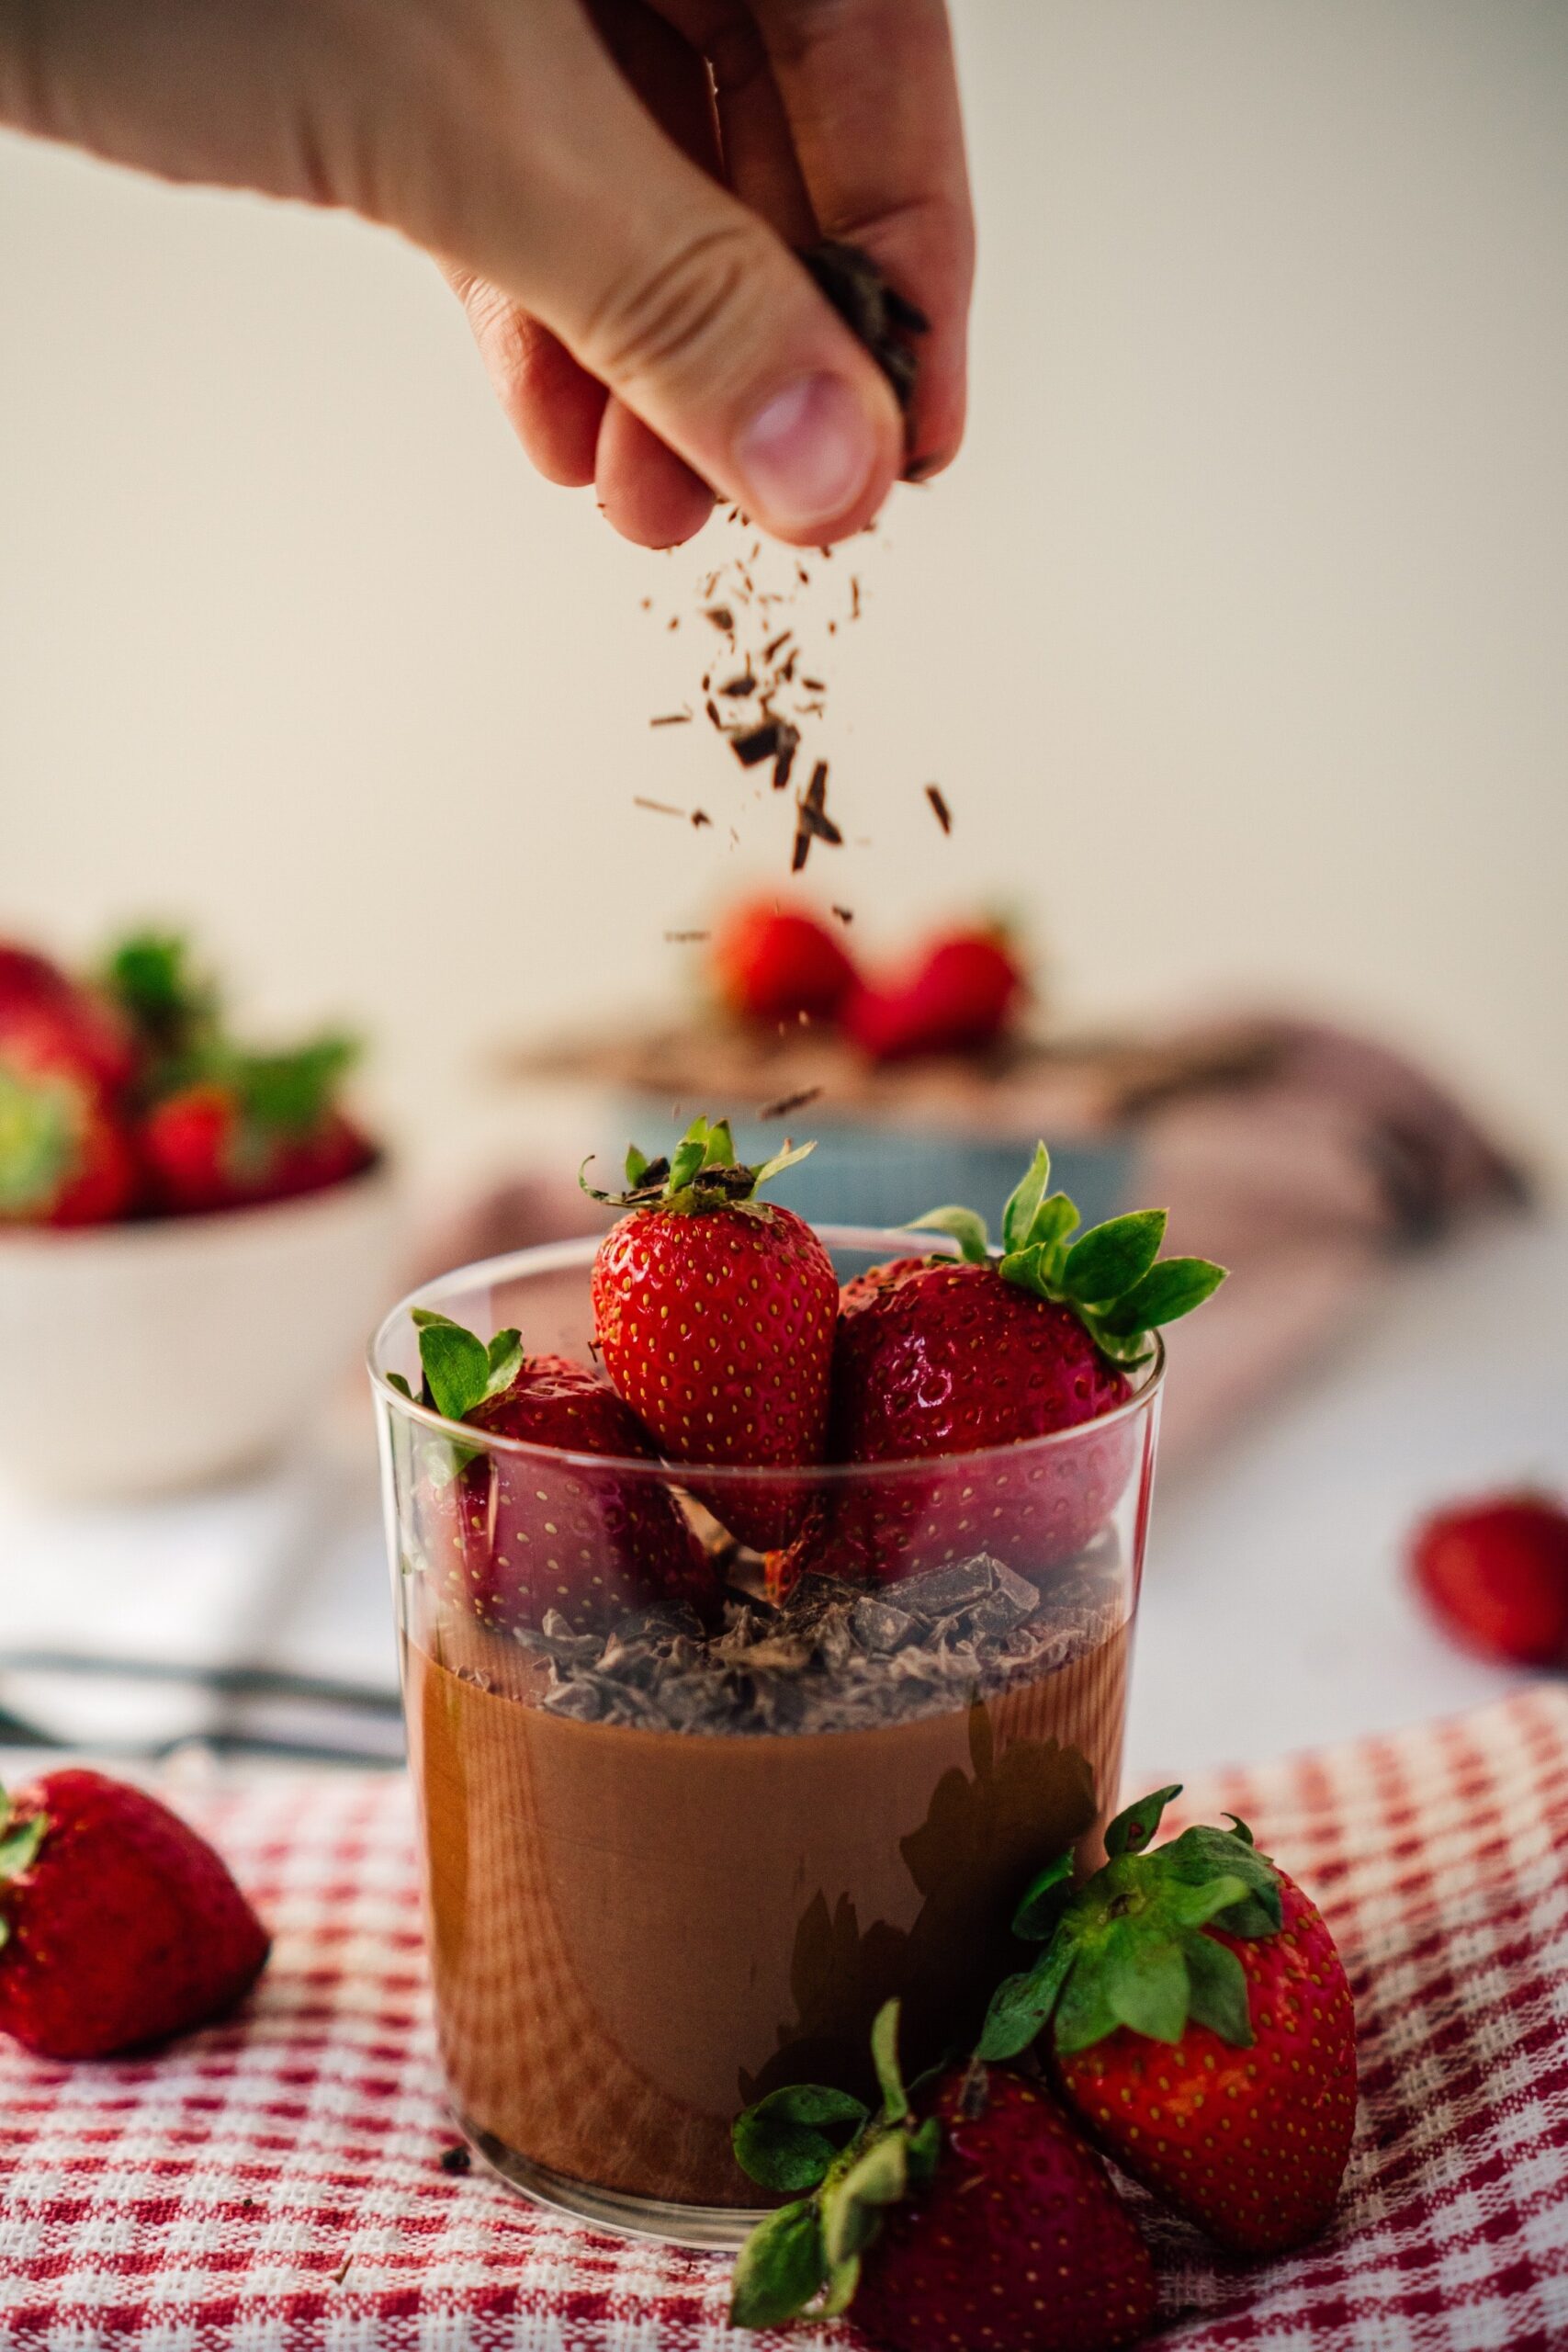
x: 959, y: 995
x: 252, y: 1127
x: 774, y: 963
x: 960, y: 998
x: 125, y: 1094
x: 1494, y: 1573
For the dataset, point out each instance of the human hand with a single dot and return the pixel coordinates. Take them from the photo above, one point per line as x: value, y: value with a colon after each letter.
x: 611, y: 186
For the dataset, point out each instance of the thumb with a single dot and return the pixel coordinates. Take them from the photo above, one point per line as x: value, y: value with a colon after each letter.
x: 683, y: 300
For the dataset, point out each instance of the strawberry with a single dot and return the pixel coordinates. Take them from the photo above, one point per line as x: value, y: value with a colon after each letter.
x: 774, y: 963
x: 715, y: 1315
x: 1200, y: 2026
x: 118, y: 1924
x: 242, y: 1128
x: 520, y: 1536
x: 1495, y: 1572
x: 49, y: 1024
x: 945, y: 1357
x: 65, y: 1158
x: 984, y: 2222
x: 959, y: 999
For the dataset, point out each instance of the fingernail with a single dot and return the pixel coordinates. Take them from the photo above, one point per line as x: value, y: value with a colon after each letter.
x: 807, y: 454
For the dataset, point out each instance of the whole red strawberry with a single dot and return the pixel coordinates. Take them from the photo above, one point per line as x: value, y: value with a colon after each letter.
x: 1495, y: 1572
x: 118, y: 1924
x: 64, y: 1157
x: 984, y: 2220
x: 248, y: 1129
x: 1198, y: 2021
x: 959, y: 999
x: 715, y: 1315
x: 945, y: 1358
x: 50, y: 1023
x: 521, y: 1535
x: 772, y: 963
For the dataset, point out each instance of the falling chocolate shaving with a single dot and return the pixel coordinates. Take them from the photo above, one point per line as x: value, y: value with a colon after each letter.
x: 815, y: 685
x: 648, y: 603
x: 854, y: 600
x: 738, y: 688
x: 771, y: 652
x: 674, y: 622
x: 659, y: 807
x: 758, y: 743
x: 699, y: 818
x: 821, y: 827
x: 789, y: 743
x: 672, y: 718
x: 944, y: 813
x: 713, y: 711
x: 721, y: 618
x: 845, y: 914
x: 788, y: 1102
x: 682, y: 938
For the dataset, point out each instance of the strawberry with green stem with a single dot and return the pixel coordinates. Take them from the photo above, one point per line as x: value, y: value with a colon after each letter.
x: 119, y: 1924
x: 715, y: 1314
x: 971, y: 2215
x: 940, y: 1357
x: 518, y: 1536
x: 234, y: 1128
x: 1196, y: 2018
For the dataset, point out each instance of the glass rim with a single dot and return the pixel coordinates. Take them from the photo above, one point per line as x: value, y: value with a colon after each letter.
x: 550, y: 1257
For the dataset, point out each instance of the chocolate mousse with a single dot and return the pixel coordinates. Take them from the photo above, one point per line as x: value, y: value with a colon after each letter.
x: 671, y: 1870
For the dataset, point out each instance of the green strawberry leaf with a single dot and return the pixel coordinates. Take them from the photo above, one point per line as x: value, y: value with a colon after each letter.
x: 1134, y: 1826
x: 505, y: 1355
x: 840, y: 2293
x: 720, y: 1152
x: 456, y: 1367
x: 965, y: 1227
x: 1109, y: 1259
x: 395, y: 1380
x: 291, y: 1092
x: 1169, y: 1289
x: 1190, y: 1906
x: 1083, y: 2013
x: 779, y: 2268
x: 923, y: 2151
x: 1054, y: 1221
x: 1044, y: 1900
x: 853, y: 2205
x: 1216, y: 1988
x: 1201, y: 1853
x: 19, y: 1846
x: 1023, y: 1205
x: 790, y: 1157
x: 1144, y: 1982
x: 638, y: 1166
x: 885, y: 2058
x: 783, y: 2142
x: 1021, y: 2004
x: 686, y: 1161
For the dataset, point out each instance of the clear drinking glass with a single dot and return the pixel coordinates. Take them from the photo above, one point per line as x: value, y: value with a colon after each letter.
x: 667, y: 1870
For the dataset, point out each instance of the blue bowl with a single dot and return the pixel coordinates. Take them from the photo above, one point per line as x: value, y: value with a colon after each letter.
x: 884, y: 1176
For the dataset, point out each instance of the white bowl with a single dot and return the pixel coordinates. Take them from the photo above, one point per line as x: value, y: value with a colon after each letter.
x: 139, y: 1359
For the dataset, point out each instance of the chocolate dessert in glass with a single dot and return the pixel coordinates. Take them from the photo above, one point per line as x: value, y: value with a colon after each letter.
x: 712, y: 1757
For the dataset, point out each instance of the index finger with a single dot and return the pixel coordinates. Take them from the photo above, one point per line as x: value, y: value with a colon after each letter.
x: 871, y: 88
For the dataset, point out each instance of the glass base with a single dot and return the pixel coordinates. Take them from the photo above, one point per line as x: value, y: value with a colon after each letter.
x: 708, y: 2228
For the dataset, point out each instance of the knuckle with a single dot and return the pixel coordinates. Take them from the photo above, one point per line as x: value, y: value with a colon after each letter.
x: 660, y: 322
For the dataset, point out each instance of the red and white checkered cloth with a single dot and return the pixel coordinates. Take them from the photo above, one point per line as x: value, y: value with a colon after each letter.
x: 273, y: 2185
